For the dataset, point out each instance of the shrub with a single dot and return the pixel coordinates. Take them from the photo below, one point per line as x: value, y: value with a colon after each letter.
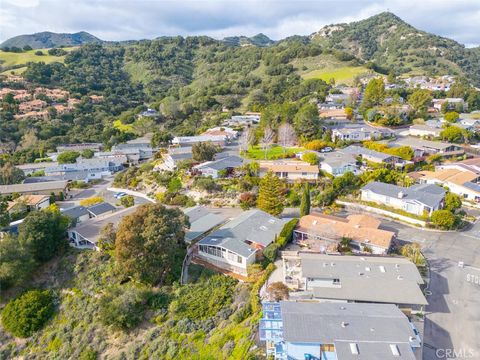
x: 91, y: 201
x: 122, y: 308
x: 286, y: 234
x: 270, y: 252
x: 315, y: 145
x: 247, y: 200
x: 444, y: 219
x: 127, y: 201
x: 310, y: 158
x: 28, y: 313
x: 205, y: 299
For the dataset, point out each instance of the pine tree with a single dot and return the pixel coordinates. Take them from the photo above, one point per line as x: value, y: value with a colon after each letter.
x: 305, y: 203
x: 270, y: 196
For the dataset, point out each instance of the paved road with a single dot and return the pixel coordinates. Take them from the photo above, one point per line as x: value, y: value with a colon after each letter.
x: 452, y: 326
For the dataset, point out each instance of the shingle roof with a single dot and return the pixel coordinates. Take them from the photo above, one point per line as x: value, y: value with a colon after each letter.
x: 367, y: 153
x: 201, y: 221
x: 338, y: 158
x: 430, y: 195
x: 223, y: 163
x: 75, y: 212
x: 292, y: 166
x: 101, y: 208
x: 372, y: 328
x: 255, y: 226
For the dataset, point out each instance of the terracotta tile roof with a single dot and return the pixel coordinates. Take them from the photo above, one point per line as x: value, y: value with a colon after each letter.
x: 288, y: 166
x: 336, y: 113
x: 454, y: 176
x: 360, y: 228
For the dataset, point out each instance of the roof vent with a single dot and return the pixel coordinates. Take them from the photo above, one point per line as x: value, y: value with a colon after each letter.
x: 354, y: 348
x: 367, y: 268
x: 397, y: 266
x: 395, y: 350
x: 400, y: 277
x: 357, y: 226
x: 264, y: 228
x: 343, y: 308
x: 382, y: 268
x: 271, y: 221
x: 361, y: 274
x: 344, y: 324
x: 315, y: 222
x: 401, y: 195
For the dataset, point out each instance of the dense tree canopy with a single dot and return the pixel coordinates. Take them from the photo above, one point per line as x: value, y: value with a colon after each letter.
x: 149, y: 245
x: 270, y: 194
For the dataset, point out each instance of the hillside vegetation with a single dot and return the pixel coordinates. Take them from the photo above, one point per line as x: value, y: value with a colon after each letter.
x: 48, y: 39
x: 16, y: 60
x: 397, y: 46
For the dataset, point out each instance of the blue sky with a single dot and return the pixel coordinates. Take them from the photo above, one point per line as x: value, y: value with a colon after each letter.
x: 124, y: 20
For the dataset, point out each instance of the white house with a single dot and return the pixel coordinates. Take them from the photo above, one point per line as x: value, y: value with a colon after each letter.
x: 424, y: 130
x: 356, y: 134
x: 219, y: 140
x: 212, y: 168
x: 338, y: 163
x: 238, y: 243
x: 418, y: 199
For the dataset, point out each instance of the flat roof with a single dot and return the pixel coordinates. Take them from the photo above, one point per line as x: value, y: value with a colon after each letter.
x: 369, y: 328
x: 365, y: 278
x: 31, y: 187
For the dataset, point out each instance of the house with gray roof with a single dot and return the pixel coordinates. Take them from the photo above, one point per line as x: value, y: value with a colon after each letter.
x: 338, y: 331
x: 337, y: 163
x: 77, y: 214
x: 176, y: 155
x: 422, y: 148
x: 101, y: 209
x: 212, y: 168
x: 322, y: 277
x: 87, y: 234
x: 372, y: 155
x: 238, y: 243
x: 37, y: 188
x: 418, y: 199
x: 201, y: 221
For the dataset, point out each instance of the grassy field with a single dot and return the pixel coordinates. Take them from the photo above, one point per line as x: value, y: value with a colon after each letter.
x: 9, y: 59
x: 274, y: 152
x: 326, y: 67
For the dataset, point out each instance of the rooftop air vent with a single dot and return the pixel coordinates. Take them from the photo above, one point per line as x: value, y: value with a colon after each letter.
x: 382, y: 268
x: 344, y: 324
x: 401, y: 195
x: 354, y: 348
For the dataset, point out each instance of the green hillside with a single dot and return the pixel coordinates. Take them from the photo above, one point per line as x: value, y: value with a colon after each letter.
x: 18, y: 61
x: 48, y: 39
x: 399, y: 47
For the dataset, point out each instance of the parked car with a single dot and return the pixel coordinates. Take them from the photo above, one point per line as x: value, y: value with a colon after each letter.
x: 326, y: 149
x: 119, y: 195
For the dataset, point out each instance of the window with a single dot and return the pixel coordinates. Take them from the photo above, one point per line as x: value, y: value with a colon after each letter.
x: 239, y: 259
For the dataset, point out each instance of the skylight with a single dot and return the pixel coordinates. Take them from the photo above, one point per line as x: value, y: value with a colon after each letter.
x: 354, y: 348
x: 395, y: 350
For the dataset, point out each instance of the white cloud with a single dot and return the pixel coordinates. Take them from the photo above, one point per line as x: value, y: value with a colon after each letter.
x: 123, y: 19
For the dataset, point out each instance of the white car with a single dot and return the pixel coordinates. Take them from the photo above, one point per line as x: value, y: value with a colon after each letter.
x: 119, y: 195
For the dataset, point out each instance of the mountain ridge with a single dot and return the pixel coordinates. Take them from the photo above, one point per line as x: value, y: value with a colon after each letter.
x: 48, y: 39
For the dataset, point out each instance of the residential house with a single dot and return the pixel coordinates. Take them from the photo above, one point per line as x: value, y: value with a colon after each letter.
x: 26, y: 203
x: 38, y: 188
x: 338, y: 163
x: 101, y: 209
x: 338, y: 331
x: 79, y: 147
x: 418, y: 199
x: 424, y: 130
x: 289, y: 169
x: 219, y: 140
x: 149, y: 113
x: 347, y: 278
x: 333, y: 114
x: 320, y: 232
x: 213, y: 168
x: 243, y: 120
x: 373, y: 156
x: 356, y: 134
x: 238, y: 243
x: 94, y: 168
x: 462, y: 182
x: 202, y: 220
x: 452, y: 104
x: 33, y: 105
x: 423, y: 148
x: 176, y: 155
x: 87, y: 234
x: 228, y: 132
x: 29, y: 169
x: 77, y: 214
x: 337, y: 98
x: 472, y: 165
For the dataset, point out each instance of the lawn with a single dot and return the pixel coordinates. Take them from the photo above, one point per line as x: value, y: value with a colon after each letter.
x: 274, y: 152
x: 9, y: 59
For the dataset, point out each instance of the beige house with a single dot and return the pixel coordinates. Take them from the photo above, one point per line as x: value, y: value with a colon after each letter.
x: 289, y: 169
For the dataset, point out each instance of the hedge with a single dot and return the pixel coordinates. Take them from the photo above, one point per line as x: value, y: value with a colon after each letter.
x: 286, y: 234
